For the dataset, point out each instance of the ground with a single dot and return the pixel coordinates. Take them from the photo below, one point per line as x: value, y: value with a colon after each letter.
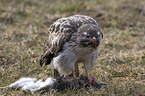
x: 121, y: 61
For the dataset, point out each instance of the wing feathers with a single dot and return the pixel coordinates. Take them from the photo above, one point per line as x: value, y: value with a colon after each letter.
x: 46, y: 58
x: 60, y: 32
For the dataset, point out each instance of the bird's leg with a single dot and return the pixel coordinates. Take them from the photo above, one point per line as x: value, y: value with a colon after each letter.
x: 86, y: 71
x: 76, y: 70
x: 56, y: 73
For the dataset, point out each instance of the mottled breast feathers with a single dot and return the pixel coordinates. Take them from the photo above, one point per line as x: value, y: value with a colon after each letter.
x: 60, y: 32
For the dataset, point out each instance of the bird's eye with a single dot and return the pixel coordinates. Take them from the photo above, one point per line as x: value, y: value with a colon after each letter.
x: 87, y: 36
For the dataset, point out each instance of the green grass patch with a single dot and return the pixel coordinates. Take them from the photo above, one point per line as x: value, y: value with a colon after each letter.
x: 121, y: 61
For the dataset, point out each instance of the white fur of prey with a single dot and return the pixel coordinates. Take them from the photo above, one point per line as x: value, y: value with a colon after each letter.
x: 31, y: 84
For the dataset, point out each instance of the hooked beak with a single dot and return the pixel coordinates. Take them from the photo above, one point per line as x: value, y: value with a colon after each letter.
x: 94, y: 42
x: 93, y: 39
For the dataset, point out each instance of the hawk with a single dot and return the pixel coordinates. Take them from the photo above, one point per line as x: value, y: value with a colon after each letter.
x: 72, y: 40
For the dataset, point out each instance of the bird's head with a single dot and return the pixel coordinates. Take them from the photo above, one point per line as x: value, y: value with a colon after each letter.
x: 90, y: 35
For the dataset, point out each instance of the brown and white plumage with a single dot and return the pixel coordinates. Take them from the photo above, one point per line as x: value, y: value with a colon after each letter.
x: 72, y: 40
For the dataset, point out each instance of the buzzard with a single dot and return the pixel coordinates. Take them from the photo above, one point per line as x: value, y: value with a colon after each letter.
x: 72, y: 40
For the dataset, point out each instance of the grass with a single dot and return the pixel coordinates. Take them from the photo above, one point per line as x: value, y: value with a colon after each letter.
x: 121, y: 61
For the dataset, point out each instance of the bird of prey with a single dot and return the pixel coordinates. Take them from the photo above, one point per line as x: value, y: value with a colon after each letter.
x: 72, y: 40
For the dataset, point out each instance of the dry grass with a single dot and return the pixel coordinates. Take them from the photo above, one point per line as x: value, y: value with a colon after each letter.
x: 121, y: 61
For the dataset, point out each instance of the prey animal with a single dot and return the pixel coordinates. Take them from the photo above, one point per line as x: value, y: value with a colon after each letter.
x: 72, y: 40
